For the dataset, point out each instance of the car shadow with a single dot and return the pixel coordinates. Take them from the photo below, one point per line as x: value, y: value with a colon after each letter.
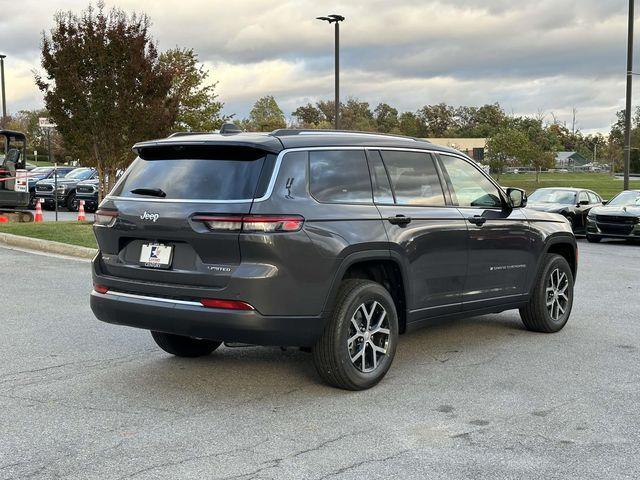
x: 246, y: 374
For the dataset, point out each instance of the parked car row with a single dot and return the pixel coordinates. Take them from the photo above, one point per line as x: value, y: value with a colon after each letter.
x: 589, y: 214
x: 48, y: 184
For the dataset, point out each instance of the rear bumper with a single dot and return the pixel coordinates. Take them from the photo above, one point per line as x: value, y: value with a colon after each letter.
x: 191, y: 319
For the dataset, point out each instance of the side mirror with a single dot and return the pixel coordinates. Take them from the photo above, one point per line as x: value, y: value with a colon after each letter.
x: 517, y: 197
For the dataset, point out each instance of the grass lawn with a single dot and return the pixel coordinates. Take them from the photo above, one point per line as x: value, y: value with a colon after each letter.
x: 66, y: 232
x: 601, y: 183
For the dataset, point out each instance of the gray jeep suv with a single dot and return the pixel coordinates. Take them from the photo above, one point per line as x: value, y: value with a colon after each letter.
x: 332, y: 241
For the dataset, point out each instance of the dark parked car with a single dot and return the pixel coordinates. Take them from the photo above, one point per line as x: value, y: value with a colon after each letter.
x: 66, y: 188
x: 619, y: 218
x: 332, y: 241
x: 572, y: 203
x: 42, y: 173
x: 88, y: 191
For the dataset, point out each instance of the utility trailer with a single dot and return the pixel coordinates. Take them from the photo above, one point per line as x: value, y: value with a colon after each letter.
x: 14, y: 191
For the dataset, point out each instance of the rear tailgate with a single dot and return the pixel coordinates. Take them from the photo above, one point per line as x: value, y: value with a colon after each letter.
x: 201, y: 181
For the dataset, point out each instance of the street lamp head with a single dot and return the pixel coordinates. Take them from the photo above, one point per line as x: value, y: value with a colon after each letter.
x: 2, y: 56
x: 333, y: 18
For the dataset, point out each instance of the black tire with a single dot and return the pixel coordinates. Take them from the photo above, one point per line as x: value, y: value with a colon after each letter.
x: 184, y: 346
x: 332, y: 355
x: 593, y: 239
x: 71, y: 202
x: 537, y: 316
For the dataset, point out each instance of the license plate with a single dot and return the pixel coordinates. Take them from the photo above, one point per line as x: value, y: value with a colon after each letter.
x: 156, y: 255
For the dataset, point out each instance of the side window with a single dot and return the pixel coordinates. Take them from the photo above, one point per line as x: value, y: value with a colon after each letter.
x: 593, y: 198
x: 582, y: 197
x: 381, y: 186
x: 470, y: 187
x: 414, y: 178
x: 339, y: 176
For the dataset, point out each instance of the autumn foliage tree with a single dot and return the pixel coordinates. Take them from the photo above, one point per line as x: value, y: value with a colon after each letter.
x: 199, y: 108
x: 105, y: 87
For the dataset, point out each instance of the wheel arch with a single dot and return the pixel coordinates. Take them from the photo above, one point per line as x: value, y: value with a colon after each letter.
x: 565, y: 246
x: 381, y: 266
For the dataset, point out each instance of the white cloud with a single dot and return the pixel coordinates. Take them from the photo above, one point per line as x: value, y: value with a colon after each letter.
x: 549, y: 55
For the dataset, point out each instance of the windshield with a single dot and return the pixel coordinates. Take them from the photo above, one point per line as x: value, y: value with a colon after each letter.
x: 40, y: 172
x: 79, y: 174
x: 626, y: 198
x: 564, y: 197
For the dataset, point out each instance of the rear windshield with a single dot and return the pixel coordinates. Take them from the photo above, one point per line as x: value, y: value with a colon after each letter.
x: 234, y: 175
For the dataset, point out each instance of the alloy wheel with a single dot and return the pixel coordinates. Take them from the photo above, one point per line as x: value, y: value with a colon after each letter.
x: 369, y: 336
x: 557, y: 294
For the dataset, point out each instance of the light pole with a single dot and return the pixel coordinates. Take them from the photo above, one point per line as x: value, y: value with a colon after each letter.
x: 4, y: 98
x: 627, y: 119
x: 333, y: 18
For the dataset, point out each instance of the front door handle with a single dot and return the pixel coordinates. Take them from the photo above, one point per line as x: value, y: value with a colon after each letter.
x: 478, y: 220
x: 399, y: 220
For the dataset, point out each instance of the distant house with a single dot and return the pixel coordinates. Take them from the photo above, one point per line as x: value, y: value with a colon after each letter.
x: 570, y: 160
x: 473, y: 147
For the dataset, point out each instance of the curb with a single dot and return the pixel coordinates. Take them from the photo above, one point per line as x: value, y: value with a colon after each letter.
x: 47, y: 246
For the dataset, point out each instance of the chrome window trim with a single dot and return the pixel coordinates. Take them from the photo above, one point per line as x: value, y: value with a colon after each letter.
x: 276, y: 171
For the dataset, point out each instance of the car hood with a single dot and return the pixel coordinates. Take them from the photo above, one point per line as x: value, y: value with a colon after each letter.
x: 617, y: 210
x: 548, y: 207
x: 93, y: 181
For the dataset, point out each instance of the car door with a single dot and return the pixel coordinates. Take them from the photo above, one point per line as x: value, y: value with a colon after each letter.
x: 499, y: 238
x: 425, y: 232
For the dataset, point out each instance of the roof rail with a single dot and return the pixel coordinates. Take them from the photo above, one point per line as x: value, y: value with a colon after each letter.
x: 283, y: 132
x: 186, y: 134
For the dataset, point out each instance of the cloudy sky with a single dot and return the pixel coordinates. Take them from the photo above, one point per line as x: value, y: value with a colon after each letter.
x: 545, y: 56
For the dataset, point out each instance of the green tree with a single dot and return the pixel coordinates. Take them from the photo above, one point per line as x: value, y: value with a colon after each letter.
x: 308, y: 116
x: 439, y: 120
x: 506, y: 147
x: 266, y: 115
x: 356, y: 115
x: 104, y: 86
x: 409, y: 124
x: 199, y: 109
x: 386, y: 118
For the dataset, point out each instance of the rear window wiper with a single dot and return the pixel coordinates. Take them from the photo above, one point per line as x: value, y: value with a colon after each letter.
x: 151, y: 192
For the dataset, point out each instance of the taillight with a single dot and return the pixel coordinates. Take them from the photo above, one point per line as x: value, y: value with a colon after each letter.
x: 101, y: 288
x: 251, y: 223
x: 225, y: 304
x: 106, y: 218
x: 272, y: 223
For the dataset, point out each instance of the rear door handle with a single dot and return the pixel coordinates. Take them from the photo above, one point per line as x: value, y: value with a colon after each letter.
x: 399, y: 220
x: 477, y: 220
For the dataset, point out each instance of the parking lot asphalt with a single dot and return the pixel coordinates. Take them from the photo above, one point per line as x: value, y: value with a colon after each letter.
x: 475, y: 398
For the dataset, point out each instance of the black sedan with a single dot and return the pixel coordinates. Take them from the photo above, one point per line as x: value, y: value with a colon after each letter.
x: 572, y: 203
x: 620, y: 218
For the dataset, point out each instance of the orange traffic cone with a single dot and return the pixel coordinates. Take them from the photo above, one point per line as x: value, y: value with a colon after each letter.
x: 81, y: 215
x: 38, y: 217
